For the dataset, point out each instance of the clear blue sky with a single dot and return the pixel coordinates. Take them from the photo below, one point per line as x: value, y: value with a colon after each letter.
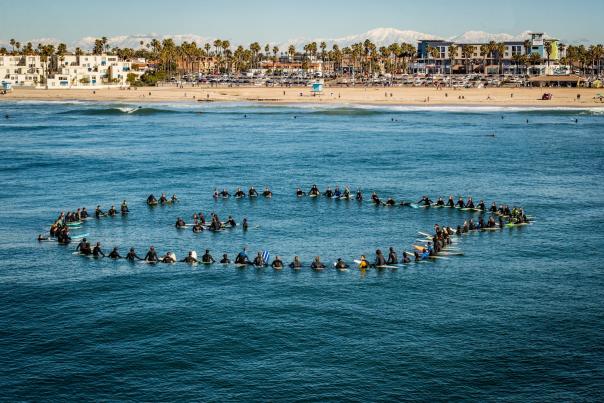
x: 271, y: 20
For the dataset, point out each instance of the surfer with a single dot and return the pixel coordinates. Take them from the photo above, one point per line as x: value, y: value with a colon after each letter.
x: 317, y: 264
x: 379, y: 259
x: 296, y: 263
x: 98, y: 213
x: 277, y: 263
x: 259, y: 261
x: 406, y: 258
x: 299, y: 192
x: 169, y: 257
x: 267, y: 192
x: 190, y: 259
x: 440, y: 202
x: 207, y: 258
x: 112, y: 211
x: 97, y: 251
x: 363, y: 263
x: 151, y: 255
x: 114, y: 254
x: 340, y: 264
x: 425, y: 201
x: 131, y: 255
x: 239, y: 194
x: 225, y: 259
x: 328, y: 192
x: 392, y: 258
x: 124, y: 208
x: 225, y: 194
x: 252, y: 192
x: 163, y: 199
x: 151, y: 200
x: 314, y: 191
x: 242, y: 257
x: 460, y: 203
x: 359, y: 195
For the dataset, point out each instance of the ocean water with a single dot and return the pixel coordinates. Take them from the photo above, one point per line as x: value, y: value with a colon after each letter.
x: 519, y: 317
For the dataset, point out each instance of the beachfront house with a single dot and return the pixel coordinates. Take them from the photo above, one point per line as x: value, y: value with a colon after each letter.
x: 86, y: 71
x: 21, y: 70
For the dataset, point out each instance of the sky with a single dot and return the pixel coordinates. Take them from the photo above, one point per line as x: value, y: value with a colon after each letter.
x: 274, y: 21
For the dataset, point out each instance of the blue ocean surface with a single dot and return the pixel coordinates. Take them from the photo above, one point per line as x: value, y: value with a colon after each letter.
x: 519, y: 317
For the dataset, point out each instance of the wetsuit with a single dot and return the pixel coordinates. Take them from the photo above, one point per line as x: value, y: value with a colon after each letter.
x: 277, y: 264
x: 96, y: 252
x: 151, y: 256
x: 207, y: 258
x: 317, y: 265
x: 189, y: 259
x: 114, y: 254
x: 340, y: 264
x: 392, y: 258
x: 132, y: 256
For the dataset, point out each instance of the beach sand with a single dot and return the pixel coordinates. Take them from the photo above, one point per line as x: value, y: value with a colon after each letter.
x: 562, y: 97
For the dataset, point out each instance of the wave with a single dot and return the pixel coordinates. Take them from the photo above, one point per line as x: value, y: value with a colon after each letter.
x: 120, y: 110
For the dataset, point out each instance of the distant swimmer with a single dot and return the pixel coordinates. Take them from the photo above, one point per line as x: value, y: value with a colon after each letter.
x: 114, y: 254
x: 244, y: 224
x: 180, y: 223
x: 277, y: 263
x: 390, y: 202
x: 359, y: 195
x: 174, y: 199
x: 198, y: 227
x: 231, y: 221
x: 43, y: 238
x: 6, y: 116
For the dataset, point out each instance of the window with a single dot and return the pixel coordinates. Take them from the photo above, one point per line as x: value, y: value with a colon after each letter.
x: 516, y: 49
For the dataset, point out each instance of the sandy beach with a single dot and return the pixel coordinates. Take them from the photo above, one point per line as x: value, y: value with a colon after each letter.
x: 562, y: 97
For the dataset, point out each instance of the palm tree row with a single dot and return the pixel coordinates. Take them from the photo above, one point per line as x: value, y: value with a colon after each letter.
x: 363, y: 58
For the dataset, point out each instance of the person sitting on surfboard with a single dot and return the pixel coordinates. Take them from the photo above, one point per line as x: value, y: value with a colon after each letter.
x: 375, y: 199
x: 425, y: 201
x: 124, y: 208
x: 337, y: 192
x: 363, y: 263
x: 225, y: 194
x: 379, y: 259
x: 98, y: 213
x: 277, y: 263
x: 299, y: 192
x: 197, y: 227
x: 392, y: 258
x: 328, y: 192
x: 174, y: 199
x: 169, y: 258
x: 225, y: 259
x: 440, y: 202
x: 114, y: 254
x: 267, y: 192
x: 112, y: 211
x: 450, y: 202
x: 390, y: 202
x: 346, y: 193
x: 97, y: 251
x: 239, y: 193
x: 317, y: 264
x: 132, y: 255
x: 242, y: 258
x: 151, y: 200
x: 296, y: 264
x: 231, y: 222
x: 244, y: 224
x: 314, y: 191
x: 252, y: 192
x: 151, y: 255
x: 359, y: 196
x: 493, y: 208
x: 470, y: 203
x: 189, y: 259
x: 481, y: 206
x: 163, y: 199
x: 460, y: 203
x: 180, y: 223
x: 405, y: 258
x: 84, y: 213
x: 207, y: 258
x: 259, y: 261
x: 340, y: 264
x: 216, y: 194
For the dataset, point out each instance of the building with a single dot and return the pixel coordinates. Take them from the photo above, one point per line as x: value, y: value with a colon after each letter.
x: 21, y: 70
x: 88, y: 71
x: 433, y: 56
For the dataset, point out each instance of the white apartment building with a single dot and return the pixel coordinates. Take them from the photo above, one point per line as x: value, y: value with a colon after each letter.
x: 21, y: 70
x: 89, y: 71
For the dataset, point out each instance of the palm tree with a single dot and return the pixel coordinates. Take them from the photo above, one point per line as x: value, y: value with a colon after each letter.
x: 549, y: 48
x: 217, y: 44
x: 467, y: 51
x: 291, y: 51
x: 323, y: 46
x: 534, y: 58
x: 12, y: 43
x: 105, y: 42
x: 275, y: 51
x: 453, y: 48
x: 500, y: 50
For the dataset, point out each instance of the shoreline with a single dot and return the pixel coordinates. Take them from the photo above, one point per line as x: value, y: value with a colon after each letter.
x: 333, y: 96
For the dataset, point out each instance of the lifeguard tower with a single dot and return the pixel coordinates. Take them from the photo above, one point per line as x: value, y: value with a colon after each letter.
x: 317, y: 88
x: 6, y: 87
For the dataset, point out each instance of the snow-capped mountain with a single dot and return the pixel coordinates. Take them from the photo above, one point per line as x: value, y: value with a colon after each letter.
x: 379, y: 36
